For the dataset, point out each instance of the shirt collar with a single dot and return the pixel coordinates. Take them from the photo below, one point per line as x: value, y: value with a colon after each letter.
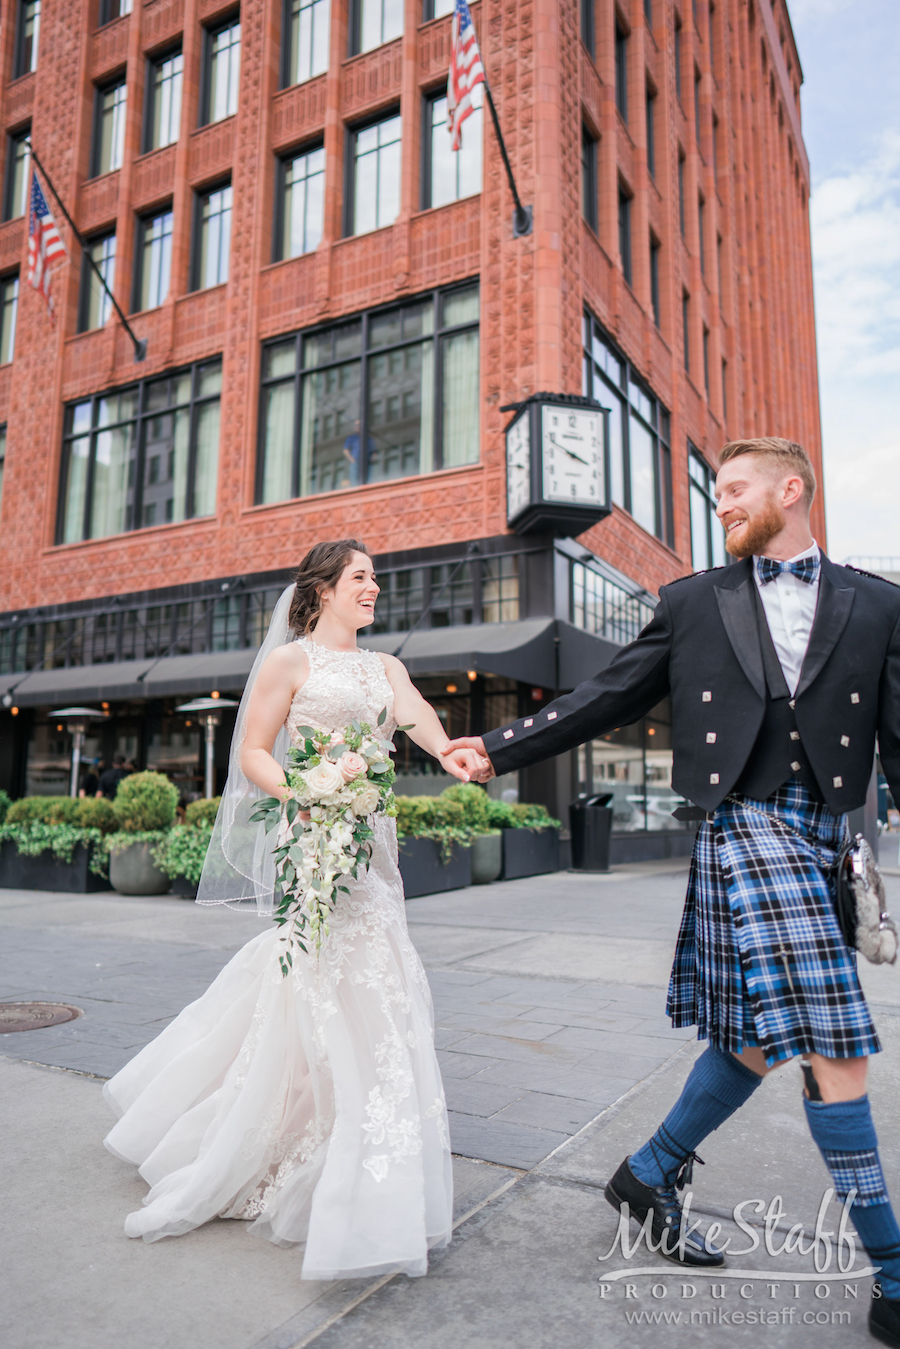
x: 812, y: 551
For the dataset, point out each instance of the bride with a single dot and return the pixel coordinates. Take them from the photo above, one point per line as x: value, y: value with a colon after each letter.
x: 310, y: 1105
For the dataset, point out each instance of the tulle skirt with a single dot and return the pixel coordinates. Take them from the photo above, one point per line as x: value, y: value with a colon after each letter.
x: 311, y: 1105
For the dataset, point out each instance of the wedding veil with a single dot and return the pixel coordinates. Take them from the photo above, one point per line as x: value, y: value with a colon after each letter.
x: 239, y: 865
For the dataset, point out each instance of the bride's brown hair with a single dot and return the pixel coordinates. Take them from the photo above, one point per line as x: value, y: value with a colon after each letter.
x: 320, y: 570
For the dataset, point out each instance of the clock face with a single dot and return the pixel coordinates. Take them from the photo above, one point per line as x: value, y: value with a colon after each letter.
x: 518, y: 466
x: 572, y: 445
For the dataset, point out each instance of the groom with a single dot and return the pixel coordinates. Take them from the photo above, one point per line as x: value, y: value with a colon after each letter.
x: 782, y: 670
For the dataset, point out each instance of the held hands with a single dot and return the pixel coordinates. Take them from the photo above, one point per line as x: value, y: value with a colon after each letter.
x: 465, y: 758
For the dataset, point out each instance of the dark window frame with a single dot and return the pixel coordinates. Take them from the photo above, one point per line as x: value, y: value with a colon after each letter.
x: 678, y: 58
x: 655, y: 249
x: 588, y: 27
x: 152, y: 61
x: 142, y: 417
x: 701, y: 482
x: 87, y: 273
x: 197, y: 228
x: 13, y: 138
x: 19, y: 67
x: 590, y: 198
x: 141, y: 222
x: 282, y: 161
x: 429, y: 98
x: 706, y: 363
x: 701, y: 232
x: 650, y: 96
x: 686, y: 329
x: 625, y: 198
x: 211, y: 31
x: 352, y: 130
x: 621, y: 68
x: 6, y: 278
x: 365, y: 316
x: 682, y: 220
x: 697, y: 82
x: 118, y: 82
x: 105, y: 16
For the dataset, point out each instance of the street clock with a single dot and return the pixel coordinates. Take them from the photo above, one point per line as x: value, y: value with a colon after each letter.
x: 557, y: 464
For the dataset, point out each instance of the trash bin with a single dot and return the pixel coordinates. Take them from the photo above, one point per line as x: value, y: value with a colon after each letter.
x: 590, y: 820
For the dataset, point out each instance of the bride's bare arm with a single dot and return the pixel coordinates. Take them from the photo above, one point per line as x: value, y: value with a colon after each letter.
x: 285, y: 671
x: 426, y: 731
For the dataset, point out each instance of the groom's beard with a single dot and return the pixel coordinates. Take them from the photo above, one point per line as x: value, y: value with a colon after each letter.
x: 753, y: 537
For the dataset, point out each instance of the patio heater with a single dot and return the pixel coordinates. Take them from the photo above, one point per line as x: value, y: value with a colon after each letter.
x: 77, y: 719
x: 208, y: 711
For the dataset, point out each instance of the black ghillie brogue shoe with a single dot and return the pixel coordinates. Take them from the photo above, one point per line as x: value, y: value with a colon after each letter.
x: 663, y: 1203
x: 884, y: 1319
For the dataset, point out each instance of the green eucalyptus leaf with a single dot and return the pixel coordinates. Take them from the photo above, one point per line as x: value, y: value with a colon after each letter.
x: 382, y: 716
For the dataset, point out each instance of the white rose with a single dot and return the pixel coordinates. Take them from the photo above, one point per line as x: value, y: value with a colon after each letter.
x: 324, y: 779
x: 366, y: 799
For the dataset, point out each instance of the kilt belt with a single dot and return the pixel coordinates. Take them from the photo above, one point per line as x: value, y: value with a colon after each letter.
x: 760, y: 959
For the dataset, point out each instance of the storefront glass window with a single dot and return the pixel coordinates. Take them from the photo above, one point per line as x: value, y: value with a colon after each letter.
x: 634, y: 763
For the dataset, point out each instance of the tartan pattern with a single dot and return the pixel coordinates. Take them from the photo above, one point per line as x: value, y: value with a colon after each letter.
x: 760, y: 959
x: 860, y: 1171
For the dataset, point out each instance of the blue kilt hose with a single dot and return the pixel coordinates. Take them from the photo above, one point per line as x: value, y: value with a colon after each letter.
x: 760, y: 958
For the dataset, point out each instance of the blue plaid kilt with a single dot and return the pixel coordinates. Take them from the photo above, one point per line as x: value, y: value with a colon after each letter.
x: 760, y: 959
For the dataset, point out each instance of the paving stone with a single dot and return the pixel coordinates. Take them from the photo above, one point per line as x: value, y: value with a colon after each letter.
x: 504, y: 1142
x: 543, y: 1111
x: 470, y: 1096
x: 454, y: 1064
x: 524, y: 1051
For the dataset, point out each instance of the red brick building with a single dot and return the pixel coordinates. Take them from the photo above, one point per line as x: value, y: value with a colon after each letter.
x: 280, y: 171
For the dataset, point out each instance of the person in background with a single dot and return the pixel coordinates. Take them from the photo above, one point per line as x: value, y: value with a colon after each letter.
x: 90, y: 783
x: 111, y: 777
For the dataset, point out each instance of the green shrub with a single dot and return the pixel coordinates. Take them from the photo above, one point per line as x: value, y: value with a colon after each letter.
x: 45, y: 809
x: 501, y: 815
x: 182, y: 851
x: 95, y: 812
x: 145, y: 801
x: 533, y: 816
x: 32, y: 837
x: 203, y: 811
x: 5, y: 803
x: 474, y: 801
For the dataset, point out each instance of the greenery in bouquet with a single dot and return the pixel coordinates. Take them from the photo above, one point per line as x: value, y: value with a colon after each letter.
x: 338, y: 781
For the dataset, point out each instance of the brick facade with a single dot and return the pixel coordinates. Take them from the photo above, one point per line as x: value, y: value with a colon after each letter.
x: 533, y: 290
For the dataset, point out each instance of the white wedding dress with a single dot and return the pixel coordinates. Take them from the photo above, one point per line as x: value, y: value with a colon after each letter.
x: 311, y: 1105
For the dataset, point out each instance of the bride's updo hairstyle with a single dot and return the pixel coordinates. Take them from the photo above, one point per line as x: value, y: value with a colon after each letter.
x: 320, y: 570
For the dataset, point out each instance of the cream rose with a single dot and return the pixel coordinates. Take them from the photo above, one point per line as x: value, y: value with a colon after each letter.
x: 324, y: 779
x: 352, y: 765
x: 365, y: 800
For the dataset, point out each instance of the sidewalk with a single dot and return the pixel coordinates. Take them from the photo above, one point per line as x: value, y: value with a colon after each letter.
x: 557, y: 1059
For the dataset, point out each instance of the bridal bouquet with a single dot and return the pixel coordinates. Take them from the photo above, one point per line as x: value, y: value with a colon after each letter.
x: 339, y: 779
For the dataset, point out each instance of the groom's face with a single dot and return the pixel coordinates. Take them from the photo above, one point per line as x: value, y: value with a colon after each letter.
x: 749, y: 504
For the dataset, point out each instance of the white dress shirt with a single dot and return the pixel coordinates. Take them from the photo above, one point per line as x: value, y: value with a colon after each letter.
x: 790, y: 607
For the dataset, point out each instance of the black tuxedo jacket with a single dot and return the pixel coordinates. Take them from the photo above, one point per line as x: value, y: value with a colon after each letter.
x: 702, y: 646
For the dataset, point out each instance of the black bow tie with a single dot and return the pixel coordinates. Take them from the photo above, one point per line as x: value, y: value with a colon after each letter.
x: 806, y: 569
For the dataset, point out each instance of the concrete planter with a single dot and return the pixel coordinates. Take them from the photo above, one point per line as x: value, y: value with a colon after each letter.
x: 46, y: 872
x: 529, y: 852
x: 132, y: 871
x: 487, y: 858
x: 423, y: 871
x: 184, y: 888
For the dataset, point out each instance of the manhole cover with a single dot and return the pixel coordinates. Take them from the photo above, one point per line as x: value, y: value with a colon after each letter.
x: 34, y: 1015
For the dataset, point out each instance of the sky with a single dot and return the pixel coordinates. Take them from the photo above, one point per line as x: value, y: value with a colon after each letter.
x: 850, y: 103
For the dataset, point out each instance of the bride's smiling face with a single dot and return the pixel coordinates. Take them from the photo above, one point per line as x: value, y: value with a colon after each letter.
x: 352, y: 600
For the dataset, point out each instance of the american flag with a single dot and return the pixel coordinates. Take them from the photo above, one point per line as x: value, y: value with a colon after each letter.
x: 466, y: 71
x: 44, y: 244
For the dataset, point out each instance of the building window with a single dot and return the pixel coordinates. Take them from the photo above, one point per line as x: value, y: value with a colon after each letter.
x: 724, y: 390
x: 163, y: 121
x: 113, y: 9
x: 222, y: 73
x: 154, y: 260
x: 654, y: 279
x: 625, y: 231
x: 9, y: 309
x: 681, y: 212
x: 622, y: 71
x: 587, y: 25
x: 109, y: 129
x: 145, y: 455
x: 686, y: 328
x: 449, y: 175
x: 706, y: 361
x: 648, y: 12
x: 374, y: 23
x: 719, y: 266
x: 500, y: 589
x: 212, y: 237
x: 606, y: 603
x: 95, y: 303
x: 387, y: 395
x: 435, y: 9
x: 707, y: 534
x: 302, y: 199
x: 697, y: 104
x: 715, y: 148
x: 589, y: 178
x: 308, y: 23
x: 27, y: 37
x: 2, y: 462
x: 678, y: 57
x: 650, y: 107
x: 374, y: 163
x: 640, y: 471
x: 634, y: 764
x: 18, y: 175
x: 701, y: 236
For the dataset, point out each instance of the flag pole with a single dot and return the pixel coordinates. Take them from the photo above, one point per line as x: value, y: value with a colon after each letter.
x: 140, y: 343
x: 522, y: 219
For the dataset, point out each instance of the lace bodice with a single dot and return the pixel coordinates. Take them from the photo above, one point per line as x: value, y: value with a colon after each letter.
x: 343, y: 686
